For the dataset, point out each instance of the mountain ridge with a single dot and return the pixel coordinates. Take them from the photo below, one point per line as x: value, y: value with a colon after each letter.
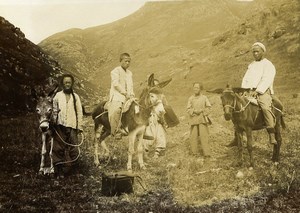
x: 207, y: 41
x: 104, y: 56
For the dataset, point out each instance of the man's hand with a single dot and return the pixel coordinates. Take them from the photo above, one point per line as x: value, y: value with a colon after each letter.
x: 255, y: 94
x: 127, y: 96
x: 198, y: 112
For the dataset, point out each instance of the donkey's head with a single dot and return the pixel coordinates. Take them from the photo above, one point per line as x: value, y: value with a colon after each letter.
x: 151, y: 97
x: 44, y: 109
x: 228, y: 101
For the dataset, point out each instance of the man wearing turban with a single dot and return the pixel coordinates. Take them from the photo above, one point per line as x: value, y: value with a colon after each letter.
x: 260, y: 77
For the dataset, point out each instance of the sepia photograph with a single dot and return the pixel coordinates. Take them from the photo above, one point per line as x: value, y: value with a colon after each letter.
x: 149, y: 106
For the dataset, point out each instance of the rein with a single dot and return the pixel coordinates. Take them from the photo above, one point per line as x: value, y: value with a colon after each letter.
x: 100, y: 115
x: 242, y: 108
x: 75, y: 145
x: 235, y: 104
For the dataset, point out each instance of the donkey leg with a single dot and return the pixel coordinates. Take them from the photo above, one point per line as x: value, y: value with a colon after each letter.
x: 96, y: 153
x: 276, y: 147
x: 240, y: 148
x: 132, y: 137
x: 51, y: 157
x: 250, y: 146
x: 43, y: 153
x: 140, y: 152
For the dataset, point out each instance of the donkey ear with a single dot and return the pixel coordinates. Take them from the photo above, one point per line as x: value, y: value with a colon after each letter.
x: 240, y: 90
x: 228, y: 86
x: 151, y: 80
x: 164, y: 83
x: 216, y: 91
x: 53, y: 92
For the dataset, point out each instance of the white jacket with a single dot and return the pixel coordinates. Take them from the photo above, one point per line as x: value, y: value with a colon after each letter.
x: 66, y: 111
x: 260, y: 75
x: 121, y: 82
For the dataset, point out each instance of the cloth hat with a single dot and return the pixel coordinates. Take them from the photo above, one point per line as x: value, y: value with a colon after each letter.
x: 261, y: 45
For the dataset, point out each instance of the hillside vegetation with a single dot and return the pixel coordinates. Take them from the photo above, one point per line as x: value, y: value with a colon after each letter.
x: 207, y: 41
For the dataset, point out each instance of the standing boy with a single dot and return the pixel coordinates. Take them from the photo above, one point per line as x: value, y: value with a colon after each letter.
x: 198, y: 108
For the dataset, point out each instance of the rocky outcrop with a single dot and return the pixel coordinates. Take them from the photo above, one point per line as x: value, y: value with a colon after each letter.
x: 25, y: 71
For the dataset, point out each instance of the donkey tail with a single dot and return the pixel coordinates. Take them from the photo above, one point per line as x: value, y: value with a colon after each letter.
x: 282, y: 122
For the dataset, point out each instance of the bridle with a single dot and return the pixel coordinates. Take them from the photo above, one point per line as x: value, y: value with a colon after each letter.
x: 44, y: 121
x: 233, y: 107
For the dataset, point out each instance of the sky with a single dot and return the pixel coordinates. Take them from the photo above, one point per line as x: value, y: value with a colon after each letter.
x: 39, y: 19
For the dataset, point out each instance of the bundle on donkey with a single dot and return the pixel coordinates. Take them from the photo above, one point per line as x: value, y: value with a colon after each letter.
x: 247, y: 116
x: 135, y: 118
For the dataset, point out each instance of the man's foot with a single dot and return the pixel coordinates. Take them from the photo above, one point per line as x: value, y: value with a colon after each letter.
x: 60, y: 172
x: 233, y: 143
x: 122, y: 131
x: 118, y: 136
x: 272, y: 139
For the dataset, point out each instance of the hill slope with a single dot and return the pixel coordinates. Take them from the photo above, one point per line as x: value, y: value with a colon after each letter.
x: 207, y: 41
x: 26, y: 72
x: 24, y: 69
x: 156, y: 36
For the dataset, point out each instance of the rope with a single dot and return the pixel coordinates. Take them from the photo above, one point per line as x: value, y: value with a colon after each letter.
x: 100, y: 115
x: 242, y: 108
x: 74, y: 145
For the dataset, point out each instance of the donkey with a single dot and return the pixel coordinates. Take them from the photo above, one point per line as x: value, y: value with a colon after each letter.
x: 136, y: 119
x: 247, y: 117
x: 44, y: 109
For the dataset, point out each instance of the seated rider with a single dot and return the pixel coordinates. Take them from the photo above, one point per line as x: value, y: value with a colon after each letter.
x: 121, y: 90
x: 260, y: 77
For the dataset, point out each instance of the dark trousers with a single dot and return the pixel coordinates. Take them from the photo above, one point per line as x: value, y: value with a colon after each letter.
x: 61, y: 151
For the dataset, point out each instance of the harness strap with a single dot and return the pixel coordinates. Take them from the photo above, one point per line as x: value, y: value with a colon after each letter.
x: 100, y: 115
x: 242, y: 108
x: 277, y: 109
x: 44, y: 121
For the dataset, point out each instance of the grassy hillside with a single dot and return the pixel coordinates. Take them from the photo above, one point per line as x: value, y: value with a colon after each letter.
x: 207, y: 41
x: 161, y: 37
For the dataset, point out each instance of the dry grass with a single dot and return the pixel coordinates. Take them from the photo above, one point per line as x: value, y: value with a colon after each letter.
x: 176, y: 182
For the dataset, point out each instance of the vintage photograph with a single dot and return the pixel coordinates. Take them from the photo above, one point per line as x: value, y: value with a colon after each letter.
x: 149, y: 106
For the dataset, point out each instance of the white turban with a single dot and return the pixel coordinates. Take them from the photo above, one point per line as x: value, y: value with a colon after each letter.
x: 261, y: 45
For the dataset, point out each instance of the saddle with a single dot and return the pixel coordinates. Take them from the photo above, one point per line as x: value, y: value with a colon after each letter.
x: 125, y: 106
x: 276, y: 103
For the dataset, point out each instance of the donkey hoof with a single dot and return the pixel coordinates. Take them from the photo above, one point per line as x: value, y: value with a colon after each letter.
x: 40, y: 173
x: 129, y: 169
x: 143, y: 167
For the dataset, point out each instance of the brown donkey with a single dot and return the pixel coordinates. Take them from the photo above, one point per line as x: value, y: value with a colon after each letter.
x: 247, y: 117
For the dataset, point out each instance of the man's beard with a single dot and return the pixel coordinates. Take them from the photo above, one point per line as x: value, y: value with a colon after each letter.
x: 68, y: 91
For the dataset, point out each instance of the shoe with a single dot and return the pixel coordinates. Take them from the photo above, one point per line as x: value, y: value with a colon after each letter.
x: 232, y: 143
x: 148, y: 137
x: 118, y: 136
x: 122, y: 131
x: 60, y: 172
x: 272, y: 139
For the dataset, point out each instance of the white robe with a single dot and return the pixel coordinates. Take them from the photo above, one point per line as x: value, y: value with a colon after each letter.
x: 260, y: 75
x: 66, y: 112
